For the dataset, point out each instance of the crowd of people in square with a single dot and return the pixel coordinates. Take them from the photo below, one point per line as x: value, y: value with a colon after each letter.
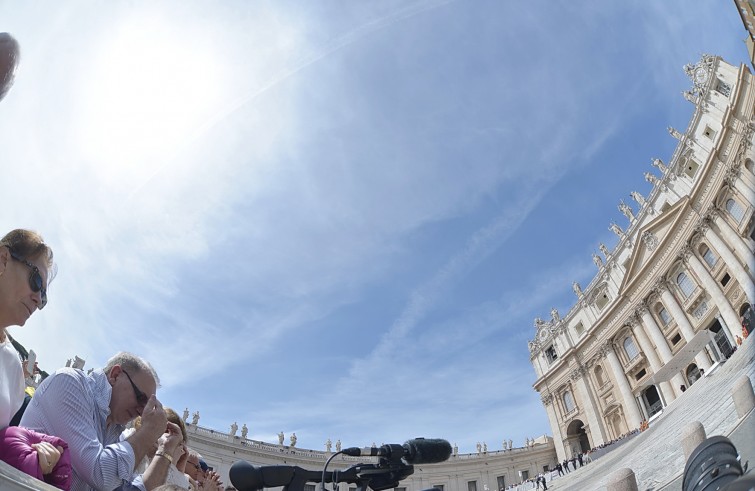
x: 103, y: 429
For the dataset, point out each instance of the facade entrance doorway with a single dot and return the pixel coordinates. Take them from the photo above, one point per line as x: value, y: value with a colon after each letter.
x: 576, y: 437
x: 724, y: 346
x: 692, y: 373
x: 652, y: 400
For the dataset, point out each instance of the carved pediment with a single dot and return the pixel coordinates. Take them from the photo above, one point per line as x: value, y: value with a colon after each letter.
x: 653, y: 237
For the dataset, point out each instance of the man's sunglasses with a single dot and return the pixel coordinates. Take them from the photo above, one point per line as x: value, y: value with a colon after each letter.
x: 36, y: 282
x: 141, y: 397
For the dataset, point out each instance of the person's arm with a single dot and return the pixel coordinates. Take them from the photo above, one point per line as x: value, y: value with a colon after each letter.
x: 154, y: 423
x: 157, y: 470
x: 64, y: 408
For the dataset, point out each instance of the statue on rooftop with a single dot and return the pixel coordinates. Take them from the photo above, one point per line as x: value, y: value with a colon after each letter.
x: 555, y: 316
x: 637, y: 197
x: 244, y: 431
x: 651, y: 178
x: 626, y: 210
x: 577, y: 289
x: 604, y: 250
x: 234, y: 428
x: 328, y: 445
x: 597, y: 260
x: 281, y: 437
x: 185, y: 415
x: 338, y: 445
x: 674, y: 132
x: 293, y: 439
x: 617, y: 230
x: 658, y: 163
x: 195, y: 418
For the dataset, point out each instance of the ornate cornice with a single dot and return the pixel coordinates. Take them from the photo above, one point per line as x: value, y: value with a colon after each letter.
x: 578, y: 372
x: 546, y: 399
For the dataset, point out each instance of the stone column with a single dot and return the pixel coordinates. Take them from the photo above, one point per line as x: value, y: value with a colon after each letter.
x: 668, y: 392
x: 588, y: 406
x: 553, y: 420
x: 630, y: 407
x: 660, y: 342
x: 733, y: 265
x: 731, y: 319
x: 683, y: 322
x: 741, y: 248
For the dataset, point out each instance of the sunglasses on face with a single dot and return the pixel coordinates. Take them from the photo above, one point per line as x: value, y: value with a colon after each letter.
x: 36, y: 282
x: 141, y: 397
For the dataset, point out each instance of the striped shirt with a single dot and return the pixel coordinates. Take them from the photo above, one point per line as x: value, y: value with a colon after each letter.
x: 75, y: 407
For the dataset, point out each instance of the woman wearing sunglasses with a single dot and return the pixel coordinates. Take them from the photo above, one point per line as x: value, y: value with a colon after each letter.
x: 26, y: 266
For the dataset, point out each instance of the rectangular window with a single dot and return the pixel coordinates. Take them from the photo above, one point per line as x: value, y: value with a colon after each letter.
x: 725, y: 280
x: 709, y: 132
x: 525, y: 475
x: 471, y: 485
x: 723, y: 88
x: 400, y: 489
x: 580, y: 329
x: 709, y: 257
x: 664, y: 315
x: 309, y: 487
x: 550, y: 354
x: 640, y: 374
x: 691, y: 168
x: 675, y: 340
x: 501, y: 482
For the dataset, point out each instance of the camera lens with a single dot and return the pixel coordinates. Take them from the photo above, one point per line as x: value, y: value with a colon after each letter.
x: 712, y: 465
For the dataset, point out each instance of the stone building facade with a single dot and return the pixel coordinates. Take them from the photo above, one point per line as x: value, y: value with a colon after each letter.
x: 670, y: 299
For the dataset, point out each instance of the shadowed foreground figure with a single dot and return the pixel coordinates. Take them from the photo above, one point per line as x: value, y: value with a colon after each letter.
x: 9, y: 56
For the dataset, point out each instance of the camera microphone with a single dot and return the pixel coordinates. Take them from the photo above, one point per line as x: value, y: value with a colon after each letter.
x: 416, y: 451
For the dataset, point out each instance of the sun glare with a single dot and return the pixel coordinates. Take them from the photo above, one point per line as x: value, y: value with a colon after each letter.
x: 148, y: 91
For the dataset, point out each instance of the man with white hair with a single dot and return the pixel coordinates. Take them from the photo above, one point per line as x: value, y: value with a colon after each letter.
x: 90, y: 411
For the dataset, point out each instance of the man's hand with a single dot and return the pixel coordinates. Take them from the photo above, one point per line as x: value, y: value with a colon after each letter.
x: 154, y: 420
x: 47, y: 455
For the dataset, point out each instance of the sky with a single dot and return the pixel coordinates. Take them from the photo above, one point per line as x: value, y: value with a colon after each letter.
x: 338, y: 219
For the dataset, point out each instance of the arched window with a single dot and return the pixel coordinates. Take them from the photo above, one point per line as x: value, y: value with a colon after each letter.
x: 630, y: 348
x: 568, y: 401
x: 599, y: 377
x: 735, y: 210
x: 685, y: 284
x: 708, y: 255
x: 664, y: 315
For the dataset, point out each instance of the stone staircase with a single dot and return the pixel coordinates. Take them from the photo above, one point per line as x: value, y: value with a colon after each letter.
x: 656, y: 455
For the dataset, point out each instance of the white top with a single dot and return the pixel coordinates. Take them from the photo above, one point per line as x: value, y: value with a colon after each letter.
x: 11, y: 382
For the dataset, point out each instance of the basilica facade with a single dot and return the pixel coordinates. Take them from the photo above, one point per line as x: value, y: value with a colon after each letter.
x: 671, y: 299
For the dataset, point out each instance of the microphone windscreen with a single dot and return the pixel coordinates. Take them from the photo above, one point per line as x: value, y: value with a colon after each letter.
x: 427, y: 450
x: 245, y: 477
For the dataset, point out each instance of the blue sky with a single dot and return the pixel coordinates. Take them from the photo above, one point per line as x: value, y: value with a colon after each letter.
x: 336, y: 219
